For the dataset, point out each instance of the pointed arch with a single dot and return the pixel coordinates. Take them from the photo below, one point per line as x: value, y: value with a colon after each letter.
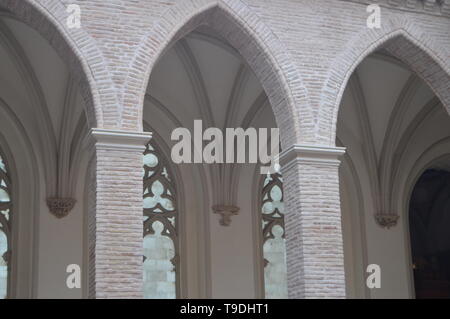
x: 77, y: 48
x: 421, y: 53
x: 245, y: 31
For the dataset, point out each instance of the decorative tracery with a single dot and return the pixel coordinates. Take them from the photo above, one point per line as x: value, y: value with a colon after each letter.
x: 161, y: 259
x: 5, y: 227
x: 274, y: 249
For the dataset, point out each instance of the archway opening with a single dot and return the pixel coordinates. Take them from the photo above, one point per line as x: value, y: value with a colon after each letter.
x: 429, y: 222
x: 389, y: 120
x: 222, y: 238
x: 43, y: 124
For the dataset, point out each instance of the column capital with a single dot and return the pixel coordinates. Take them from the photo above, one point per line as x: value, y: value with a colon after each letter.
x: 307, y: 154
x: 119, y: 140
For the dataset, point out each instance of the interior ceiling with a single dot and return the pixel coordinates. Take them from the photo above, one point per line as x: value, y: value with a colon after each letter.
x: 36, y: 81
x: 381, y: 84
x: 202, y: 77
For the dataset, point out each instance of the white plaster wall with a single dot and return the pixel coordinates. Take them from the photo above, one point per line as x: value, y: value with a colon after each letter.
x: 24, y: 174
x: 388, y: 248
x: 214, y: 254
x: 232, y: 247
x: 383, y: 247
x: 45, y: 245
x: 61, y: 243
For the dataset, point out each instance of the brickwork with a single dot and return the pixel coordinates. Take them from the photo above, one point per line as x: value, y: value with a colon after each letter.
x: 436, y: 7
x: 401, y: 37
x: 315, y: 255
x: 259, y: 47
x: 115, y: 229
x: 302, y: 51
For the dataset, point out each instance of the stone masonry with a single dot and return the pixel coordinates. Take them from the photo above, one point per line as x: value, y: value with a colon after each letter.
x: 302, y: 51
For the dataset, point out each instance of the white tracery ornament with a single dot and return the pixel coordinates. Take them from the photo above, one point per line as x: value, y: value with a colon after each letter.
x: 161, y: 259
x: 274, y: 248
x: 5, y: 227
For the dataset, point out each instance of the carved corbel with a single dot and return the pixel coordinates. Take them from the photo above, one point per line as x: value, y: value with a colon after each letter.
x: 386, y: 220
x: 62, y: 183
x: 226, y: 212
x: 60, y: 207
x: 7, y: 256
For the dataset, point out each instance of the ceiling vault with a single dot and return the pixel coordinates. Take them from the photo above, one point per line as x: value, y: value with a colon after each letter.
x: 391, y: 136
x: 36, y: 97
x: 367, y: 134
x: 194, y: 73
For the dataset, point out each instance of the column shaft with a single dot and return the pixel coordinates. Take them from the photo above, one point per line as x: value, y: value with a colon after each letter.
x: 314, y: 245
x: 116, y: 222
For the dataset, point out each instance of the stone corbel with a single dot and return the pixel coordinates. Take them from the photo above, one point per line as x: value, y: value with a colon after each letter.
x: 7, y: 256
x: 226, y: 212
x: 60, y: 207
x: 386, y: 220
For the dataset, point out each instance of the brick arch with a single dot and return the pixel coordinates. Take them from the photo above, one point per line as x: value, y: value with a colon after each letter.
x: 404, y: 40
x: 245, y: 31
x: 77, y: 48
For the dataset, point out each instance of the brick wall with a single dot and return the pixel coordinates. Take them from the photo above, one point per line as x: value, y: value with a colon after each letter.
x: 303, y: 52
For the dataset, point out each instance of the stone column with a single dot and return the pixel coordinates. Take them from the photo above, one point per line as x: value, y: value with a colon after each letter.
x: 314, y: 246
x: 116, y: 215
